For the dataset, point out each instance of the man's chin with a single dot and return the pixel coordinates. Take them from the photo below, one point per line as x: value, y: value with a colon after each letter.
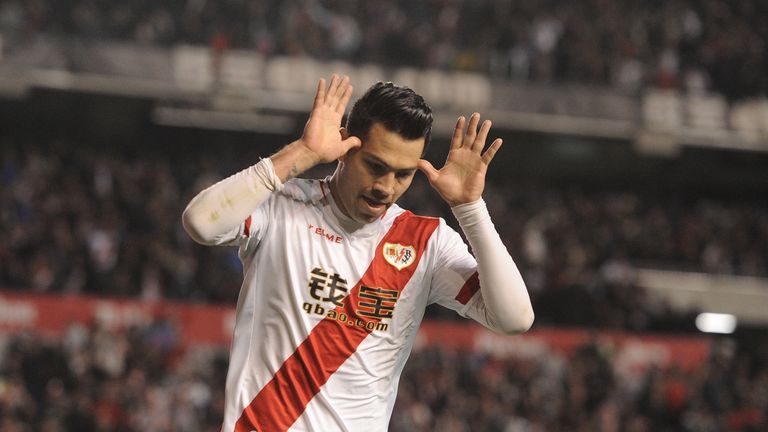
x: 369, y: 217
x: 369, y: 212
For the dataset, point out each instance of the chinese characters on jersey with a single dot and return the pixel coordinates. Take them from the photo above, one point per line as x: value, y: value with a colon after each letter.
x: 330, y: 289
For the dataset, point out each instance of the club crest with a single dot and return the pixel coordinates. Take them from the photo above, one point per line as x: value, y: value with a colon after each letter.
x: 398, y: 255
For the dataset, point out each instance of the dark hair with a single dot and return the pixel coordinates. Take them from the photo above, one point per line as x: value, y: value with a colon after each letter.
x: 398, y: 109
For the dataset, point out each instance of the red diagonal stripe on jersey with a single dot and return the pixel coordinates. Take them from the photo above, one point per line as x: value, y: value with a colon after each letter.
x: 247, y: 228
x: 469, y: 289
x: 331, y: 343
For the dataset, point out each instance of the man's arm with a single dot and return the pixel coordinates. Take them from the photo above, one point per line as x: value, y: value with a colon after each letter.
x: 460, y: 182
x: 219, y: 209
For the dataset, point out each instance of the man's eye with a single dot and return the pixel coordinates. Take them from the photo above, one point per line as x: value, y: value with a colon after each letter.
x: 376, y: 168
x: 403, y: 175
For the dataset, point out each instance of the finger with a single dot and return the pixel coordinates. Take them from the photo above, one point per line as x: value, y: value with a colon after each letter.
x: 469, y: 138
x: 342, y: 87
x: 479, y: 142
x: 342, y: 105
x: 352, y: 142
x: 458, y: 131
x: 426, y: 167
x: 320, y: 95
x: 491, y: 152
x: 330, y: 98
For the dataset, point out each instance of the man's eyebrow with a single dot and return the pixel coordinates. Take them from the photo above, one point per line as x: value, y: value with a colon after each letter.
x: 375, y: 159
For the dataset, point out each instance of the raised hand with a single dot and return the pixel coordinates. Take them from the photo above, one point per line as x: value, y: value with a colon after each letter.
x: 462, y: 179
x: 322, y: 136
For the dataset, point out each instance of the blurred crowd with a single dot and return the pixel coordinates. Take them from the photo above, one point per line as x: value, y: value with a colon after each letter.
x: 96, y: 379
x: 457, y: 391
x: 80, y: 220
x: 696, y: 45
x: 83, y: 222
x: 93, y: 379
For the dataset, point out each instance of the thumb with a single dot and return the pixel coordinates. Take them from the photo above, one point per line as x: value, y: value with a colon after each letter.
x: 426, y: 167
x: 352, y: 142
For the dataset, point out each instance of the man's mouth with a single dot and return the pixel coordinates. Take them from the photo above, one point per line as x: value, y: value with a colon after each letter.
x: 373, y: 203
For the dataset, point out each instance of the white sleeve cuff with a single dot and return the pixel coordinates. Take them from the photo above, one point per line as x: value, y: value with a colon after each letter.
x: 265, y: 171
x: 471, y: 214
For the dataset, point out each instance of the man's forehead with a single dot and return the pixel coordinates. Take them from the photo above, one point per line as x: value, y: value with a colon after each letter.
x: 391, y: 149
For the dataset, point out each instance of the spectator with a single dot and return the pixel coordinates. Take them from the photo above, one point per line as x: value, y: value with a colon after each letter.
x: 48, y: 384
x: 684, y: 44
x: 109, y: 218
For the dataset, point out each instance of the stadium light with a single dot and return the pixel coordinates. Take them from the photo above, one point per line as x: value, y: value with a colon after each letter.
x: 708, y: 322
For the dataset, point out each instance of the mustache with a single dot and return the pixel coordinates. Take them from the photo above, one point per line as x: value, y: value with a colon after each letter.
x: 375, y: 200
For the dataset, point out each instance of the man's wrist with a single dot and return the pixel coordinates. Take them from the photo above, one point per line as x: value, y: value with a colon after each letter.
x: 292, y: 160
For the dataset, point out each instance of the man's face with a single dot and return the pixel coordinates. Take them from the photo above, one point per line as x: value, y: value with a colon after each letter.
x: 371, y: 178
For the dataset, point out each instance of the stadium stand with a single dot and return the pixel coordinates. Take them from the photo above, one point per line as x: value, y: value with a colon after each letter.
x: 138, y: 379
x: 697, y: 45
x: 100, y: 288
x: 85, y: 222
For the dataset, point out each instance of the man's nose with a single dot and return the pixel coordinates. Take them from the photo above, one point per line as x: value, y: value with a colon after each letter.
x: 384, y: 187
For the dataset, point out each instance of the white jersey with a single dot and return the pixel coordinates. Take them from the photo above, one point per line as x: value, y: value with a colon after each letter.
x: 326, y: 318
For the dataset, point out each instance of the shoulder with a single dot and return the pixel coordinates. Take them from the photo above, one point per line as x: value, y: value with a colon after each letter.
x: 401, y: 213
x: 398, y: 215
x: 411, y: 222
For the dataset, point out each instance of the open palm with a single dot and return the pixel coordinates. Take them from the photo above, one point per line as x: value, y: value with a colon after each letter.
x: 462, y: 177
x: 322, y: 134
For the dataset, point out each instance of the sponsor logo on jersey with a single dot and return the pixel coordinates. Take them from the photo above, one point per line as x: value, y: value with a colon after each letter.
x: 326, y: 234
x: 329, y: 288
x: 400, y: 256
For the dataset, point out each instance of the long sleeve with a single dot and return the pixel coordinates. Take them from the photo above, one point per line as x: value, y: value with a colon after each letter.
x: 501, y: 284
x: 218, y: 210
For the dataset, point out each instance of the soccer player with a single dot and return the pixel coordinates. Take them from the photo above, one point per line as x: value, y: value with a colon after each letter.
x: 337, y: 276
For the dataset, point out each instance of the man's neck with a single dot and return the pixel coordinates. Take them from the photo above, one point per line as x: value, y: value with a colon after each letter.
x: 338, y: 208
